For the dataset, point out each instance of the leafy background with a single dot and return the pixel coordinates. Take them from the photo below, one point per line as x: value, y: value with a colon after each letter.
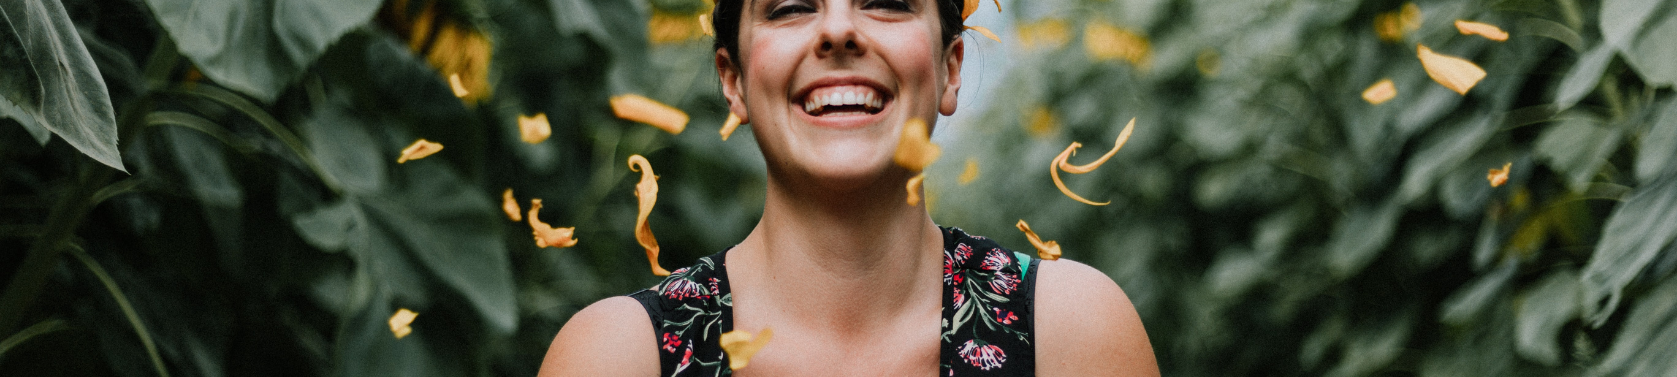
x: 208, y: 188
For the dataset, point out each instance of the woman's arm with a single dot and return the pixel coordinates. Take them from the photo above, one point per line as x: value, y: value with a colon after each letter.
x: 1086, y: 326
x: 612, y: 337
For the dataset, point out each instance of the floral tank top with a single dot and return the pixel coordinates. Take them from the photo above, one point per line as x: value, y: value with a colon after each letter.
x: 988, y: 294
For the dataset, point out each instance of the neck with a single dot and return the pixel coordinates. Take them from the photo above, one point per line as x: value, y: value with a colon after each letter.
x: 870, y: 255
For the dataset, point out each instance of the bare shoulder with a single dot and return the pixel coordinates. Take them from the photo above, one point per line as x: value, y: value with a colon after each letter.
x: 1086, y: 326
x: 612, y: 337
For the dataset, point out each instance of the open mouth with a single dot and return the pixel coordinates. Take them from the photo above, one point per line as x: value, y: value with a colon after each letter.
x: 844, y: 100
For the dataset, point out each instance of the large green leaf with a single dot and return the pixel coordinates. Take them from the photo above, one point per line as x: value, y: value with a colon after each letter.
x: 1542, y: 311
x: 1621, y: 19
x: 56, y: 81
x: 1653, y: 56
x: 1634, y: 235
x: 258, y: 47
x: 1360, y: 235
x: 1583, y: 76
x: 1442, y: 153
x: 1577, y: 146
x: 1645, y: 343
x: 1658, y: 153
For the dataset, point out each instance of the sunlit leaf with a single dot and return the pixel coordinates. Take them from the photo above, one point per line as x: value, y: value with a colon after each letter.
x: 547, y: 235
x: 1499, y: 176
x: 741, y: 346
x: 419, y: 149
x: 1488, y: 31
x: 969, y: 173
x: 1046, y: 250
x: 1103, y: 41
x: 914, y: 187
x: 647, y: 191
x: 535, y: 128
x: 636, y: 108
x: 915, y: 149
x: 1455, y: 73
x: 1044, y: 33
x: 510, y: 206
x: 399, y: 322
x: 1393, y: 26
x: 986, y: 32
x: 729, y: 126
x: 1380, y: 92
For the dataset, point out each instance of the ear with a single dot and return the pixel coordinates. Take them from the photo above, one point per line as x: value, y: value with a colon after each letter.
x: 732, y: 83
x: 952, y: 85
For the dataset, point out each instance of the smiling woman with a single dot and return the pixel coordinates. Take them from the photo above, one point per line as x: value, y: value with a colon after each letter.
x: 851, y: 280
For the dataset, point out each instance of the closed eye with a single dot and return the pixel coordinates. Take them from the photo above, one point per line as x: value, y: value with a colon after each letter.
x: 790, y: 8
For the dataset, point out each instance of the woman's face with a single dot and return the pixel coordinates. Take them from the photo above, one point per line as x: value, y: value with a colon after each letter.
x: 828, y: 84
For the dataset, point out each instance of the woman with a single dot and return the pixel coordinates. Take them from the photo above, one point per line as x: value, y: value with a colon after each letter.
x: 853, y: 280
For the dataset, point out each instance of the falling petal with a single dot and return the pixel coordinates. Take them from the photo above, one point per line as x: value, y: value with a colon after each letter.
x: 741, y: 346
x: 915, y: 149
x: 914, y: 185
x: 704, y: 23
x: 399, y: 322
x: 547, y: 235
x: 1392, y: 26
x: 510, y: 206
x: 1123, y: 137
x: 459, y: 88
x: 729, y: 126
x: 970, y: 173
x: 1455, y: 73
x: 534, y: 129
x: 1048, y: 32
x: 1499, y: 176
x: 1380, y: 92
x: 970, y: 6
x: 1103, y: 41
x: 1488, y: 31
x: 1054, y: 171
x: 1046, y: 250
x: 986, y: 32
x: 645, y: 110
x: 419, y: 149
x: 647, y: 192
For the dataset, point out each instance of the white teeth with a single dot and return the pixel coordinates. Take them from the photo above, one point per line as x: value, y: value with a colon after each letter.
x: 867, y: 99
x: 850, y: 98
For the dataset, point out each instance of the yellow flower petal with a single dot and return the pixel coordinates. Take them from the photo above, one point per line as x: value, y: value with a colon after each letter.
x: 1046, y: 250
x: 1380, y: 92
x: 915, y: 149
x: 510, y: 206
x: 1488, y: 31
x: 741, y: 346
x: 645, y: 110
x: 1048, y: 32
x: 914, y: 185
x: 970, y: 173
x: 729, y: 126
x: 1392, y: 26
x: 647, y: 192
x: 668, y: 28
x: 534, y: 129
x: 1041, y: 122
x: 459, y: 88
x: 547, y: 235
x: 704, y: 24
x: 1499, y: 176
x: 1123, y: 137
x: 419, y: 149
x: 986, y: 32
x: 399, y: 322
x: 1104, y: 41
x: 1054, y: 171
x: 966, y: 11
x: 1455, y: 73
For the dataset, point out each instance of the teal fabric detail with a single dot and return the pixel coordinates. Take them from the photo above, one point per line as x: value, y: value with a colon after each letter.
x: 1024, y: 263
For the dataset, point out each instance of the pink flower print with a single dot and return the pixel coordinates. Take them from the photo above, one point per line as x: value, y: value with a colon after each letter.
x: 983, y: 356
x: 995, y: 260
x: 671, y: 342
x: 1004, y: 283
x: 687, y: 358
x: 962, y: 252
x: 948, y: 270
x: 1005, y: 317
x: 679, y: 289
x: 713, y: 285
x: 960, y: 298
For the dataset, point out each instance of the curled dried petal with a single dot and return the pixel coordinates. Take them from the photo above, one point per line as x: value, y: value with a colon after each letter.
x: 399, y: 322
x: 1380, y: 92
x: 970, y: 173
x: 1455, y: 73
x: 510, y: 206
x: 459, y: 88
x: 741, y: 346
x: 1046, y: 250
x: 419, y: 149
x: 914, y: 186
x: 547, y: 235
x: 729, y: 126
x: 986, y: 32
x: 645, y: 110
x: 1499, y: 176
x: 647, y: 192
x: 1123, y: 137
x: 915, y: 149
x: 534, y: 129
x: 1054, y: 171
x: 1488, y: 31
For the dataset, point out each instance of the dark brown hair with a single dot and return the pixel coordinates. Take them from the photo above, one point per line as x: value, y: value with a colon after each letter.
x: 725, y: 21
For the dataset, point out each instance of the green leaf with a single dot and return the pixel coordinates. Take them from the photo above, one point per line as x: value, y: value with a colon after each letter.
x: 1621, y: 19
x: 258, y: 47
x: 1543, y: 310
x: 620, y: 27
x: 340, y: 142
x: 1442, y: 153
x: 331, y: 227
x: 1644, y: 345
x: 1634, y: 235
x: 1464, y: 306
x: 1360, y: 236
x: 1582, y: 78
x: 1653, y: 57
x: 36, y: 132
x: 64, y: 93
x: 1577, y: 146
x: 367, y: 347
x: 1658, y: 148
x: 1552, y: 30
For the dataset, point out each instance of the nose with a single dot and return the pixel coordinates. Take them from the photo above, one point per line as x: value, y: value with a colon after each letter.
x: 838, y: 30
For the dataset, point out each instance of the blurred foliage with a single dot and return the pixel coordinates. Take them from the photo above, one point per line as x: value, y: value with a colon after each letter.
x: 1265, y: 219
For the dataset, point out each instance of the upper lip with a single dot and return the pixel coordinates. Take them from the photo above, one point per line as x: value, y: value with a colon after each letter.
x: 803, y: 93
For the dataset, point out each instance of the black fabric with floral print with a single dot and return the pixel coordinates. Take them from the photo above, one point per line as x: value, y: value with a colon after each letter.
x: 988, y: 293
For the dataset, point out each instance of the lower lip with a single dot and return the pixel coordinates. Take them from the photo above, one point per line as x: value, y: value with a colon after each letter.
x: 843, y: 121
